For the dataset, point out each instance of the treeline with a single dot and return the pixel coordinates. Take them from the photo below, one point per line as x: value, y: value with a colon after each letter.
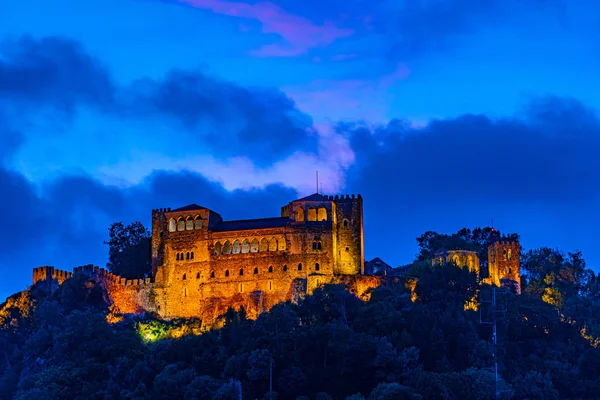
x: 330, y: 345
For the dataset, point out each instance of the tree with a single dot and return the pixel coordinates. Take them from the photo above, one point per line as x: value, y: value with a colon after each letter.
x: 129, y: 253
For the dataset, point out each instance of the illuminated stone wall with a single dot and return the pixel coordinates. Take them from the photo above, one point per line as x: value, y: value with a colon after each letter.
x: 461, y: 258
x: 202, y: 265
x: 504, y: 262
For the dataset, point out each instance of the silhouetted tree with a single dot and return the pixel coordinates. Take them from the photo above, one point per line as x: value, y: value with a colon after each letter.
x: 129, y: 253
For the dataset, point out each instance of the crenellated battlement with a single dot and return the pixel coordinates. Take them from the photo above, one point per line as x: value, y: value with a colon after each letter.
x: 161, y: 210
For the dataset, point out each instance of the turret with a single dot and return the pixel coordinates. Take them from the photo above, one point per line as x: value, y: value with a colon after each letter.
x: 504, y: 264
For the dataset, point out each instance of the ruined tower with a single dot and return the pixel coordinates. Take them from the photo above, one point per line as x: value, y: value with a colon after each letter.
x: 504, y: 263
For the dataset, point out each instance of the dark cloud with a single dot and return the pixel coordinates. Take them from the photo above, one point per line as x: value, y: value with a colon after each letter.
x: 53, y: 72
x: 536, y: 173
x: 57, y: 74
x: 66, y: 224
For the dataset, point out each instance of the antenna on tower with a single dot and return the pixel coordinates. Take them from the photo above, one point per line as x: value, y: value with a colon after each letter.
x: 317, y: 181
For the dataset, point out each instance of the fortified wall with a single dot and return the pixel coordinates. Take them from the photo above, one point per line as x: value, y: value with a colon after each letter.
x: 202, y: 265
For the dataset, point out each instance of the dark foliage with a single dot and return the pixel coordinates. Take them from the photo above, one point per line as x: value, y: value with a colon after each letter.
x: 129, y: 250
x: 329, y: 346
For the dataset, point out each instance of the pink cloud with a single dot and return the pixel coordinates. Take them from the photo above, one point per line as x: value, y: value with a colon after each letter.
x: 299, y: 33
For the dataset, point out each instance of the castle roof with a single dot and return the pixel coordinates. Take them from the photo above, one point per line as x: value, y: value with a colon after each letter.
x: 314, y: 197
x: 247, y: 224
x: 190, y: 207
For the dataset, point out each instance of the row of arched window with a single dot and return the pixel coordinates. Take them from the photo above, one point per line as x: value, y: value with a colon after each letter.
x: 185, y: 224
x: 313, y: 214
x: 255, y: 271
x: 246, y: 246
x: 187, y: 256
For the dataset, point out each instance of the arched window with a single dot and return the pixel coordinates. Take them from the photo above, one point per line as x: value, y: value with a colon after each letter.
x: 184, y: 292
x: 177, y: 256
x: 181, y: 224
x: 284, y: 268
x: 192, y: 255
x: 187, y: 255
x: 272, y: 244
x: 270, y: 285
x: 319, y: 246
x: 509, y: 270
x: 281, y: 244
x: 322, y: 214
x: 172, y: 225
x: 198, y: 275
x: 314, y: 245
x: 271, y: 268
x: 345, y: 223
x: 241, y: 287
x: 198, y: 223
x: 254, y: 246
x: 217, y: 248
x: 212, y: 274
x: 227, y: 247
x: 505, y: 255
x: 509, y: 254
x: 245, y: 246
x: 255, y: 271
x: 264, y: 245
x: 226, y: 272
x: 300, y: 267
x: 184, y: 277
x: 241, y: 271
x: 317, y: 267
x: 237, y: 248
x: 189, y: 224
x: 312, y: 214
x: 299, y: 214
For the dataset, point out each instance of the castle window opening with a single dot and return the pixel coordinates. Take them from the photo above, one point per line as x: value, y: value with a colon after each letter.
x: 198, y: 275
x: 255, y: 271
x: 241, y: 271
x: 509, y: 254
x: 226, y: 272
x: 181, y: 224
x: 312, y: 214
x: 345, y: 223
x: 227, y: 247
x: 284, y: 268
x: 245, y: 246
x: 270, y: 285
x: 273, y: 244
x: 271, y: 268
x: 264, y: 245
x: 184, y: 277
x: 237, y: 248
x: 189, y: 224
x: 184, y: 292
x: 254, y: 246
x: 299, y: 214
x: 319, y: 246
x: 172, y: 225
x: 314, y: 245
x: 177, y: 256
x: 317, y: 267
x: 217, y: 248
x: 187, y: 255
x: 505, y: 255
x: 322, y: 214
x: 300, y: 267
x: 212, y: 274
x: 192, y: 255
x: 347, y: 248
x: 509, y: 270
x: 161, y: 234
x: 241, y: 287
x: 198, y: 223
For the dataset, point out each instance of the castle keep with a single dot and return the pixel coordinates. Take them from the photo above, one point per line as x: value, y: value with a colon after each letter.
x: 202, y: 264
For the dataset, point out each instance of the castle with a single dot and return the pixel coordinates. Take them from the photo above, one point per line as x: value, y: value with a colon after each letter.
x: 202, y: 265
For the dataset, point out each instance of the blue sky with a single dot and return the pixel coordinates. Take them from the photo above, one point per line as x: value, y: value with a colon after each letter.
x: 442, y: 114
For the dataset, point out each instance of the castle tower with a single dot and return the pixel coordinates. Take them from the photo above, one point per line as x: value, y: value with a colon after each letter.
x: 350, y: 258
x: 159, y: 225
x: 504, y: 262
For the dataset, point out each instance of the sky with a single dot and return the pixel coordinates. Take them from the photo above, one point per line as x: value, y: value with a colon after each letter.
x: 443, y: 114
